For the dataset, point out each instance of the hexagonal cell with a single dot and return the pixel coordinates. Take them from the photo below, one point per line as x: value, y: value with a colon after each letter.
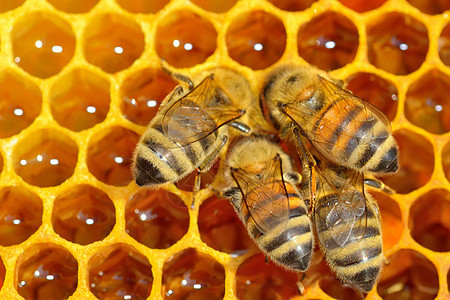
x: 80, y: 100
x: 158, y: 219
x: 427, y: 104
x: 217, y: 6
x: 292, y: 5
x: 431, y: 7
x: 113, y: 42
x: 83, y: 215
x: 143, y: 92
x: 142, y: 6
x: 256, y: 39
x: 258, y: 279
x: 380, y: 92
x: 416, y: 162
x: 120, y: 272
x: 362, y: 5
x: 20, y: 215
x: 329, y: 41
x: 15, y: 113
x: 76, y: 7
x: 42, y: 44
x: 110, y: 155
x: 45, y: 158
x: 185, y: 39
x: 446, y: 160
x: 334, y: 288
x: 429, y: 222
x: 444, y: 45
x: 217, y: 219
x: 193, y: 275
x: 6, y: 5
x: 397, y: 43
x: 46, y: 271
x: 410, y: 275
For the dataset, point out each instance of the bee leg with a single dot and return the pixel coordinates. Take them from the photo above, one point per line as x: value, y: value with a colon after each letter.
x: 176, y: 76
x: 387, y: 261
x: 300, y: 286
x: 241, y: 127
x: 197, y: 185
x: 379, y: 185
x: 266, y: 259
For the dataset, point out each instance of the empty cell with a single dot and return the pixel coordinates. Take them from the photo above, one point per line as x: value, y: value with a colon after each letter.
x: 362, y: 5
x: 376, y: 90
x: 409, y: 275
x: 142, y: 93
x: 293, y: 5
x: 113, y: 42
x: 110, y: 154
x: 416, y: 159
x: 431, y: 7
x: 46, y: 271
x: 190, y: 274
x: 185, y: 39
x: 73, y: 6
x: 6, y: 5
x: 334, y: 288
x: 80, y: 100
x: 45, y: 158
x: 119, y: 271
x: 20, y: 103
x: 83, y: 215
x: 217, y: 6
x: 42, y: 44
x: 156, y: 218
x: 142, y: 6
x: 444, y: 45
x: 446, y: 160
x: 397, y: 43
x: 216, y: 220
x: 328, y: 41
x: 258, y: 279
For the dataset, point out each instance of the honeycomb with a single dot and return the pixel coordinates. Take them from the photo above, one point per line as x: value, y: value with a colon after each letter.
x: 79, y: 81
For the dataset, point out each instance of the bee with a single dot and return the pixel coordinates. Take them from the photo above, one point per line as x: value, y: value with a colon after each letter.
x: 191, y: 127
x: 264, y: 196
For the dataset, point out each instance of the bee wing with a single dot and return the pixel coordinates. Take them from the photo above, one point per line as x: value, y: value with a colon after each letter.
x: 265, y: 196
x: 198, y: 113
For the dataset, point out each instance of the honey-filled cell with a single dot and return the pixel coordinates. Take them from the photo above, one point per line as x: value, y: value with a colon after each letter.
x: 376, y: 90
x: 397, y: 43
x: 119, y: 271
x: 185, y: 39
x: 6, y: 5
x: 142, y: 93
x: 75, y: 7
x: 190, y: 274
x: 446, y: 160
x: 217, y: 6
x: 80, y: 100
x: 42, y: 44
x: 156, y: 218
x: 409, y: 275
x: 46, y: 271
x: 113, y: 42
x: 427, y: 104
x: 83, y: 215
x: 142, y: 6
x: 20, y: 215
x: 109, y: 155
x: 292, y: 5
x: 362, y: 5
x: 15, y: 113
x: 45, y: 158
x: 444, y: 45
x: 429, y: 222
x: 431, y: 7
x: 256, y: 39
x: 334, y: 288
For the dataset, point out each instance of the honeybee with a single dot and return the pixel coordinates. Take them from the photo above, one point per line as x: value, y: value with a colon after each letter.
x: 263, y: 193
x: 191, y: 127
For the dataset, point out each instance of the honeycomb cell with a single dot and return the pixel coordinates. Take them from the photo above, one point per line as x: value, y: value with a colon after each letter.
x: 45, y: 158
x: 42, y: 44
x: 142, y: 93
x: 256, y: 279
x: 410, y: 275
x: 292, y: 5
x: 6, y: 5
x: 185, y: 39
x: 76, y: 7
x: 397, y: 43
x: 80, y: 100
x: 193, y: 275
x: 256, y: 39
x: 20, y: 215
x: 46, y: 271
x: 216, y: 220
x: 429, y: 222
x: 446, y: 160
x: 109, y: 155
x: 416, y: 162
x: 15, y: 113
x: 120, y: 272
x: 427, y: 104
x: 444, y: 45
x: 142, y: 6
x: 378, y: 91
x: 157, y: 219
x: 334, y: 288
x: 431, y: 7
x: 113, y: 42
x: 362, y: 5
x: 328, y: 41
x: 83, y: 215
x: 216, y: 6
